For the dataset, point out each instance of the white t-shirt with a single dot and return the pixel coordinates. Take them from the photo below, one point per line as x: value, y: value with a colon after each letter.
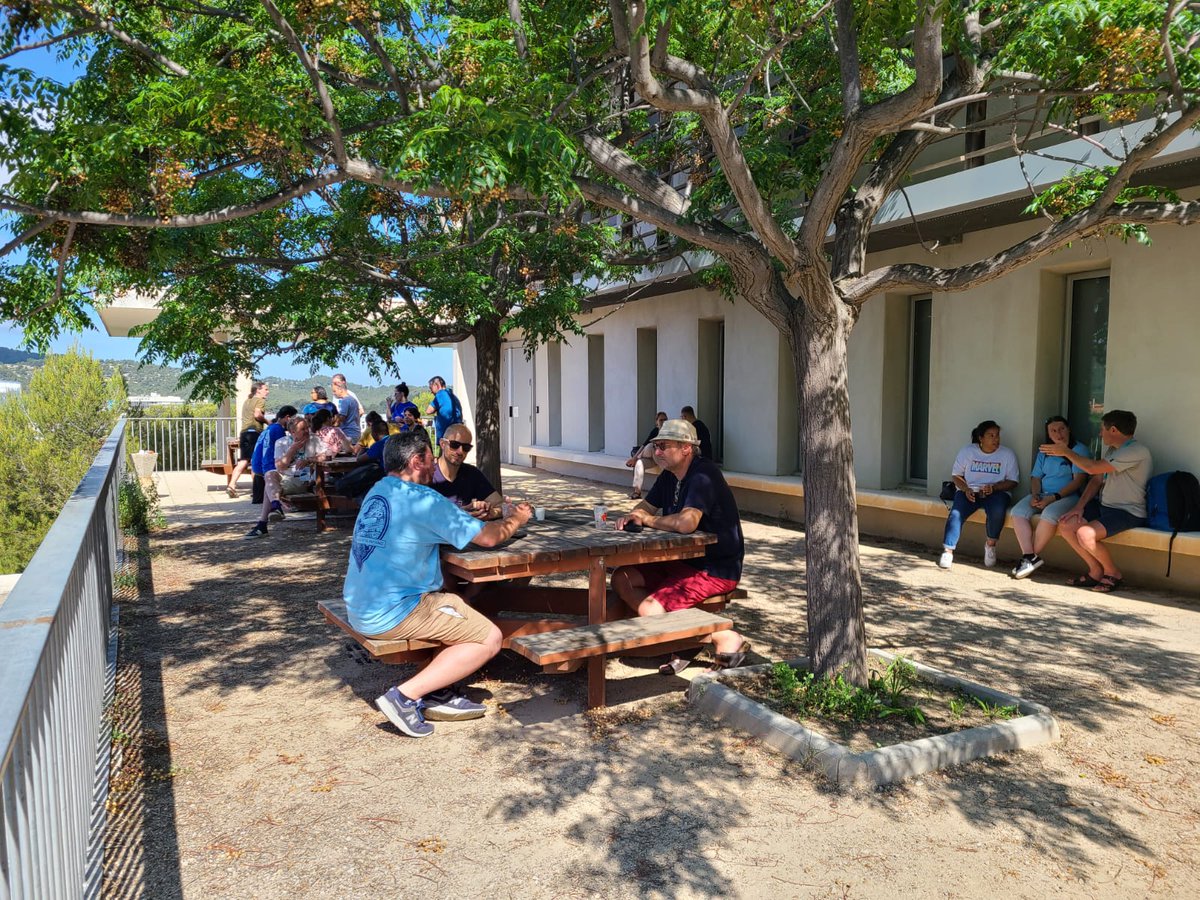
x: 311, y: 449
x: 977, y: 468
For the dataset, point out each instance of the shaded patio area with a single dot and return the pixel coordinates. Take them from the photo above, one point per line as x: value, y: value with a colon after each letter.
x: 253, y: 762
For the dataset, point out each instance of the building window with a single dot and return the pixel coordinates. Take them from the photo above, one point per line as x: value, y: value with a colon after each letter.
x: 554, y: 393
x: 920, y: 334
x: 710, y: 382
x: 1087, y: 356
x: 595, y: 344
x: 647, y: 380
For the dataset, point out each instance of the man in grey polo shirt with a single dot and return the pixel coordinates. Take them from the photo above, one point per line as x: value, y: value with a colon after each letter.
x: 1119, y: 478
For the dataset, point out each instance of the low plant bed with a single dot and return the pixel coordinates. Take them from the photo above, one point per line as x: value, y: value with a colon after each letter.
x: 896, y: 706
x: 912, y: 719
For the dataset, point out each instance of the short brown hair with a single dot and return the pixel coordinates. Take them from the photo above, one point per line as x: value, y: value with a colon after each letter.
x: 1121, y: 419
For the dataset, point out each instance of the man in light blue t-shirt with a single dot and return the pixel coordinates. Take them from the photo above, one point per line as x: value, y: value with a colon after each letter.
x: 349, y: 409
x: 394, y: 589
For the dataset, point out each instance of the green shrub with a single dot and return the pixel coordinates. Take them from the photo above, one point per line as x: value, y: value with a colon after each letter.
x: 137, y: 509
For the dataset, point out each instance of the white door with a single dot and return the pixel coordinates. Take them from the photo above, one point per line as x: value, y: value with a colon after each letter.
x: 517, y: 413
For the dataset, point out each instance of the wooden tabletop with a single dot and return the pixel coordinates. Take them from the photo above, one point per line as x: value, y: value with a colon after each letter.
x: 563, y: 543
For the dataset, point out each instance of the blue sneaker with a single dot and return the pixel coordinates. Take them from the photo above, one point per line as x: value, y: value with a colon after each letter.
x: 404, y: 714
x: 447, y: 705
x: 276, y: 514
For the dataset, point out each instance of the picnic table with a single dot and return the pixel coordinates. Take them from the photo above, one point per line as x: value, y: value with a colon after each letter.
x: 550, y: 629
x: 559, y: 628
x: 321, y: 500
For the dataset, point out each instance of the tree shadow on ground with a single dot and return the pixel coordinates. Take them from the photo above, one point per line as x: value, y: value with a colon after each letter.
x: 664, y: 791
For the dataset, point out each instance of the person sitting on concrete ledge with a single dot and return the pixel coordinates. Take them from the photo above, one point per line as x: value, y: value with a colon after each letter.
x: 1055, y: 483
x: 642, y: 455
x: 1114, y: 499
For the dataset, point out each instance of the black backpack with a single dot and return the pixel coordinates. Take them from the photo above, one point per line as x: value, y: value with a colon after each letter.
x: 1173, y: 504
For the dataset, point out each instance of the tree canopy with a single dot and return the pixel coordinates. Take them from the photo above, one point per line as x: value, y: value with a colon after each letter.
x: 213, y: 140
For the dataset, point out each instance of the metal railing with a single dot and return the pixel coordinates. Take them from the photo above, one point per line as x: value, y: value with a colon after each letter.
x: 54, y: 647
x: 182, y: 444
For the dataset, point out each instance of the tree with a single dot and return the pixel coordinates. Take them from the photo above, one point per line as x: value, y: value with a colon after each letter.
x: 212, y: 109
x: 49, y: 436
x: 201, y: 115
x: 796, y: 121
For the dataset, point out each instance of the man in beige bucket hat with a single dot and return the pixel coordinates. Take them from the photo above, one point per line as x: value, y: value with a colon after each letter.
x: 690, y: 495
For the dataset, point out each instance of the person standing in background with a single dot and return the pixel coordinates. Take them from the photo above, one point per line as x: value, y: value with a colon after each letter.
x: 254, y: 419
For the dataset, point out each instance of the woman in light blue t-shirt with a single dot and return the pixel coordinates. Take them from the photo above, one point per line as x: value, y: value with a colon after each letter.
x: 1054, y: 487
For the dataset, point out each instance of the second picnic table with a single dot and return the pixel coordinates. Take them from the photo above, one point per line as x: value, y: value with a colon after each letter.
x: 543, y: 631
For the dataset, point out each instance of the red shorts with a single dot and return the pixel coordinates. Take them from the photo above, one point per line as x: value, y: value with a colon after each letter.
x: 676, y: 585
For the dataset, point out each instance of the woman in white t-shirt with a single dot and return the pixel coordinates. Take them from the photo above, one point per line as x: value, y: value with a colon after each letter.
x: 984, y: 473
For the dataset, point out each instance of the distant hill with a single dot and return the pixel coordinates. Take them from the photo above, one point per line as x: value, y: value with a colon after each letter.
x: 18, y: 356
x: 17, y: 365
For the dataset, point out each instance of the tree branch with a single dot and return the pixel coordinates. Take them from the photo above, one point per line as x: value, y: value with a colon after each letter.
x: 718, y: 239
x: 905, y: 276
x: 57, y: 39
x: 519, y: 38
x: 225, y: 214
x: 867, y: 123
x: 129, y: 40
x: 772, y: 52
x: 32, y: 231
x: 62, y: 263
x: 1147, y: 148
x: 314, y: 76
x: 618, y: 164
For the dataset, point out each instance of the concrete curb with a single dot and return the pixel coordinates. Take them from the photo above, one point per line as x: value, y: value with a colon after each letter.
x: 873, y: 768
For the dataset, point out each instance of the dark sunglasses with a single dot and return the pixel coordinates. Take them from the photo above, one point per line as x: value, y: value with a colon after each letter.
x: 458, y: 445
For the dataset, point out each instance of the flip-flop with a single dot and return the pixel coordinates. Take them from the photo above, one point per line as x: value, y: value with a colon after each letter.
x: 1083, y: 581
x: 730, y: 660
x: 1108, y: 584
x: 674, y: 666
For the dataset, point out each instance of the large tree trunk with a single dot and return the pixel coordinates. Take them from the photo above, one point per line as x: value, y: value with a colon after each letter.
x: 487, y: 399
x: 836, y: 636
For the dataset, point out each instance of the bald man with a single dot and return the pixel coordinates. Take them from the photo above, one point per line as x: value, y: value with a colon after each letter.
x: 460, y: 481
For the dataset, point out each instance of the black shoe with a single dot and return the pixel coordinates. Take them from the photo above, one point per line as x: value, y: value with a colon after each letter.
x: 259, y: 530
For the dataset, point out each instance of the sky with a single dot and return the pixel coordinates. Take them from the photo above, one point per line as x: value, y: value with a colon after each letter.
x: 417, y: 365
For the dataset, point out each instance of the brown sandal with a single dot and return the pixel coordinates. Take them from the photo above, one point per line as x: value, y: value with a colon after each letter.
x: 730, y: 660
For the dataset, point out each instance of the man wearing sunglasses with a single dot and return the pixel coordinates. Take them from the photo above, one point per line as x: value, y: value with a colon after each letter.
x: 460, y: 481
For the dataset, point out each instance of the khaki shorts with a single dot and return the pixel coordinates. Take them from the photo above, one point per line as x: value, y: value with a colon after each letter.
x: 441, y: 617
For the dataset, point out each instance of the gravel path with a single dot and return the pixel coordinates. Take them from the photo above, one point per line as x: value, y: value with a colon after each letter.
x: 252, y: 762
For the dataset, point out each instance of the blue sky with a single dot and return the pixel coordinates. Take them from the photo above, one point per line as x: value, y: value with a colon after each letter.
x: 417, y: 365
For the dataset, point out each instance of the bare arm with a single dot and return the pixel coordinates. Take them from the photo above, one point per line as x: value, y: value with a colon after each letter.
x: 685, y: 521
x: 494, y: 533
x: 1089, y: 465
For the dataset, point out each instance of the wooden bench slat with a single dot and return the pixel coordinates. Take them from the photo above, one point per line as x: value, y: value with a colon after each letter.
x: 613, y: 637
x: 335, y: 612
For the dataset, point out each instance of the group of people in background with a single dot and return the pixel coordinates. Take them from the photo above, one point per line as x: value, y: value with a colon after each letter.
x: 1083, y: 499
x: 281, y: 450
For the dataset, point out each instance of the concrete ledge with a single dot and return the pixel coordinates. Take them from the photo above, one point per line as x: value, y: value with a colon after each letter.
x: 873, y: 768
x: 910, y: 515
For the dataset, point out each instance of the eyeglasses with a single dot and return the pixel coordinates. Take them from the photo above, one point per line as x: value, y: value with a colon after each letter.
x: 660, y: 446
x: 458, y: 445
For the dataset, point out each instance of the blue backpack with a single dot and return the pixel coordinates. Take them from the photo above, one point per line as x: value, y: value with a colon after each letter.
x: 1173, y: 504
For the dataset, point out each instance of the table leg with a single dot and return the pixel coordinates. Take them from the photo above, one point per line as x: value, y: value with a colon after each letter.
x: 597, y: 597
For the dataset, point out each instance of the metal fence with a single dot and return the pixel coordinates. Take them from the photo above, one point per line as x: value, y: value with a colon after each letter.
x: 182, y: 444
x: 54, y: 647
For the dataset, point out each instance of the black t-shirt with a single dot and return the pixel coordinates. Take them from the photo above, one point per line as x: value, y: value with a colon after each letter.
x: 703, y: 488
x: 705, y: 439
x: 470, y: 484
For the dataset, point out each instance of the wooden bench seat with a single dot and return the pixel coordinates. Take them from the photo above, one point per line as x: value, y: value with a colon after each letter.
x: 215, y: 466
x: 586, y: 641
x: 323, y: 504
x: 385, y: 651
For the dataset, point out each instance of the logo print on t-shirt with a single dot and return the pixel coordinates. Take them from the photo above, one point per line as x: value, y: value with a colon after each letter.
x: 369, y: 530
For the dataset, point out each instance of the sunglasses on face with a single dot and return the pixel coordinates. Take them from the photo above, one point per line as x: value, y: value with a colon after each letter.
x: 458, y: 445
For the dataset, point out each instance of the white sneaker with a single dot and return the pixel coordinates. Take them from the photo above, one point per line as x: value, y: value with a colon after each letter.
x: 989, y: 555
x: 1027, y: 567
x: 946, y: 560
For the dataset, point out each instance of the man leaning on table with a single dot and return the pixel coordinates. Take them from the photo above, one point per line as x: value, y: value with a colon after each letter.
x: 690, y: 495
x: 459, y: 481
x: 394, y: 588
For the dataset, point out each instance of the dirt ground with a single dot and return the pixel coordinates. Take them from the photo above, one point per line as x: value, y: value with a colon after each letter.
x: 251, y: 761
